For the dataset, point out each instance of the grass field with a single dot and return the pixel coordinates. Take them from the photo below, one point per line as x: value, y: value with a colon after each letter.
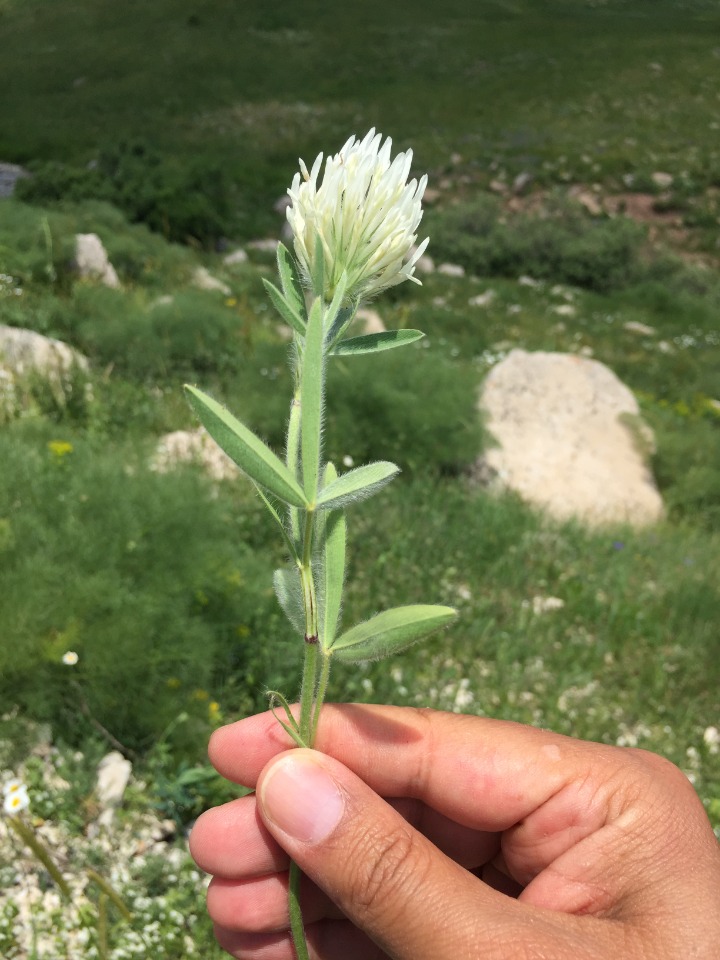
x: 162, y: 582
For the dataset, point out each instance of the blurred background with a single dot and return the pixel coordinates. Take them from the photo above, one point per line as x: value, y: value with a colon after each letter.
x: 573, y: 155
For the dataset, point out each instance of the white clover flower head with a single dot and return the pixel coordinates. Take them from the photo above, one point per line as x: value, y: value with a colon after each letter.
x: 365, y: 215
x: 70, y: 658
x: 16, y: 798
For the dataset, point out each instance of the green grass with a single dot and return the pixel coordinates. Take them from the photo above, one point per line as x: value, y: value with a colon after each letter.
x: 562, y: 91
x: 161, y: 582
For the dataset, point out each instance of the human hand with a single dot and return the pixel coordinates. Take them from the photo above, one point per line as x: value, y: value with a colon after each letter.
x: 495, y: 840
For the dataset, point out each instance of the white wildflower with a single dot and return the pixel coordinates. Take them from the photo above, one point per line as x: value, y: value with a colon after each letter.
x: 16, y: 800
x: 12, y: 786
x: 365, y: 215
x: 70, y: 658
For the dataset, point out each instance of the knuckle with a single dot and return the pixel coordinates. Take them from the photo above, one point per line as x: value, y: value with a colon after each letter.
x: 389, y: 869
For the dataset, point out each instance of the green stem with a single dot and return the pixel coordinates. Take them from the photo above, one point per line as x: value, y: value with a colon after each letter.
x: 307, y: 692
x: 26, y: 834
x: 102, y: 926
x: 296, y: 920
x: 320, y: 694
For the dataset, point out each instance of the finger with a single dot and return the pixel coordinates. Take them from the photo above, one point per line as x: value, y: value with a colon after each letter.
x: 231, y: 841
x: 402, y: 752
x: 329, y: 940
x: 385, y: 876
x: 261, y: 906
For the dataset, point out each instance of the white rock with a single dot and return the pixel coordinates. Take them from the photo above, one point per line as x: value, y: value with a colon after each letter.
x: 564, y: 443
x: 267, y: 245
x: 425, y: 264
x: 186, y: 446
x: 451, y: 270
x: 235, y: 257
x: 22, y: 351
x: 662, y: 180
x: 91, y: 260
x: 112, y: 779
x: 204, y: 280
x: 634, y: 326
x: 482, y: 299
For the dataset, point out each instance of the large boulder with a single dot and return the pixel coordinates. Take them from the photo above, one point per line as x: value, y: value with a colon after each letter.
x: 25, y: 355
x: 569, y: 439
x: 24, y: 350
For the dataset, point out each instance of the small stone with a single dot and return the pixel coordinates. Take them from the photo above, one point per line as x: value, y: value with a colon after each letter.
x: 634, y: 326
x: 91, y: 260
x: 521, y: 182
x: 425, y: 264
x: 235, y: 257
x: 498, y: 186
x: 590, y: 202
x: 267, y: 245
x: 204, y: 280
x: 482, y: 299
x: 451, y: 270
x: 662, y: 180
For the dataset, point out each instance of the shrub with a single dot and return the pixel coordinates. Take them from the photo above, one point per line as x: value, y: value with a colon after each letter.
x: 418, y: 410
x: 147, y: 577
x: 183, y: 201
x: 564, y: 245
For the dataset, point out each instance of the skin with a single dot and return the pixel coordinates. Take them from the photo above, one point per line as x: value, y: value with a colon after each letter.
x: 456, y: 837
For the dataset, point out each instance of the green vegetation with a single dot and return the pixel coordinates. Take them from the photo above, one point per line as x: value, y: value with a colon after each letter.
x: 191, y: 116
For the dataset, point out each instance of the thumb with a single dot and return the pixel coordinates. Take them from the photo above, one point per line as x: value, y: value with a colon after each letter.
x: 385, y: 876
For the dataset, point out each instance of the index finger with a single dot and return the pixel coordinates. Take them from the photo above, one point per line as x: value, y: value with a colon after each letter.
x: 482, y: 773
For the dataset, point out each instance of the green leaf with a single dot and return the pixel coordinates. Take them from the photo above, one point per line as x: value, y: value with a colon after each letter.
x: 311, y: 400
x: 374, y: 342
x: 356, y: 485
x: 331, y: 534
x: 246, y: 449
x: 288, y: 590
x: 290, y: 282
x: 284, y: 308
x: 390, y: 632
